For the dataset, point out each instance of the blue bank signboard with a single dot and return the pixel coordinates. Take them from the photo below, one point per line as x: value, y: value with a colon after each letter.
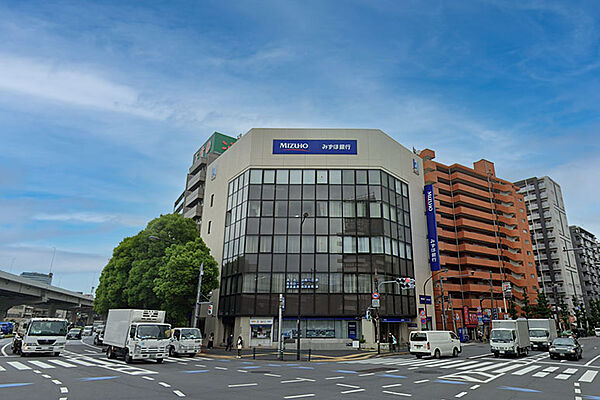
x: 432, y: 237
x: 314, y: 146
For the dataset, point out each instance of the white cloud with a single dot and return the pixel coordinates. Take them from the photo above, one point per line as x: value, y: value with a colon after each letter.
x: 73, y: 84
x: 91, y: 217
x: 19, y: 258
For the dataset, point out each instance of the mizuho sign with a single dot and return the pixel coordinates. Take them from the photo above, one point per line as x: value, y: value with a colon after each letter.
x: 432, y: 238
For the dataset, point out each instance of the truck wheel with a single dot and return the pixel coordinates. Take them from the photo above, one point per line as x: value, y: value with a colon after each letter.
x: 496, y: 355
x: 56, y: 353
x: 437, y: 353
x: 128, y: 358
x: 159, y: 360
x: 455, y: 352
x: 171, y: 351
x: 110, y: 353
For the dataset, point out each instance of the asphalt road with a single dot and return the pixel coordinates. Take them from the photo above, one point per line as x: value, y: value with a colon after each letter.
x: 83, y: 372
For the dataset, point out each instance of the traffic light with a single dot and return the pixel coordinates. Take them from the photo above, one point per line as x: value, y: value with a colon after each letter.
x: 406, y: 283
x: 210, y: 309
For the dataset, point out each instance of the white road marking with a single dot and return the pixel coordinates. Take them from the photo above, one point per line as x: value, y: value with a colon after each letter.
x: 37, y: 371
x: 352, y: 391
x: 42, y: 364
x: 550, y: 369
x: 562, y: 377
x: 461, y: 394
x: 242, y: 370
x: 56, y: 382
x: 164, y: 384
x: 179, y: 393
x: 18, y: 365
x: 507, y: 368
x: 81, y: 362
x: 298, y: 380
x: 587, y: 364
x: 273, y: 375
x: 392, y: 385
x: 475, y: 366
x: 411, y: 368
x: 540, y: 374
x: 526, y: 370
x: 577, y: 391
x: 242, y: 385
x: 298, y: 396
x: 348, y: 386
x: 62, y: 363
x: 570, y: 371
x: 369, y: 374
x: 2, y: 368
x: 588, y: 376
x: 335, y: 377
x: 490, y: 367
x: 474, y: 387
x: 422, y: 381
x: 577, y: 384
x: 4, y: 351
x: 46, y: 376
x: 479, y: 356
x: 147, y: 378
x: 397, y: 393
x: 225, y: 369
x: 63, y: 389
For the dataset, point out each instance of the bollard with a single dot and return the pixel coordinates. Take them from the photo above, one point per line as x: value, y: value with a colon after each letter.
x: 254, y: 353
x: 309, y: 353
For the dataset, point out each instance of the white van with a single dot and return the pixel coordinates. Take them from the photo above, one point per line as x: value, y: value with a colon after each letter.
x: 434, y: 343
x: 597, y: 331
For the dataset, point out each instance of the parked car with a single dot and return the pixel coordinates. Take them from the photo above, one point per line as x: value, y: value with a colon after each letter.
x: 566, y: 347
x: 74, y: 333
x: 87, y: 330
x: 597, y: 331
x: 99, y: 337
x: 434, y: 343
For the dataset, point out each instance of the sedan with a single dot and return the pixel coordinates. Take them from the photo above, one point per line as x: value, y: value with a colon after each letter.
x: 566, y: 347
x: 74, y: 333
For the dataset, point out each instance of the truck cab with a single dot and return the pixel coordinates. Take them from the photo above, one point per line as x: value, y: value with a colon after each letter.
x: 185, y: 341
x: 539, y: 338
x: 41, y: 336
x: 510, y: 337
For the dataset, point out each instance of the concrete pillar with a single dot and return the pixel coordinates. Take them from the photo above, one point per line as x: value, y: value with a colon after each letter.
x: 90, y: 317
x: 4, y: 311
x: 52, y: 311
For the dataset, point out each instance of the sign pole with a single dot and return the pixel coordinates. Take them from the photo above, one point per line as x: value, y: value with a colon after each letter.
x: 197, y: 307
x: 280, y: 326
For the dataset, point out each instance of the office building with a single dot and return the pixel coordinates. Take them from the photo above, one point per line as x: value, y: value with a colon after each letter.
x: 550, y: 236
x: 316, y: 215
x: 484, y: 244
x: 586, y: 248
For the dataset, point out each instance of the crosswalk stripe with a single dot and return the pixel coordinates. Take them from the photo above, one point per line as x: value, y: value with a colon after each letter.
x: 550, y: 369
x: 81, y: 362
x: 62, y: 363
x: 562, y: 376
x: 18, y: 365
x: 41, y: 364
x: 540, y: 374
x: 588, y: 376
x: 2, y: 368
x: 461, y: 364
x: 481, y: 364
x: 570, y: 371
x: 491, y: 367
x: 440, y: 363
x: 526, y: 370
x: 508, y: 368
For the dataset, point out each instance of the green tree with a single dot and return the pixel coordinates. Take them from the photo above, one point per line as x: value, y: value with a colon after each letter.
x: 594, y: 313
x: 177, y: 281
x: 128, y: 278
x: 512, y: 309
x: 527, y: 311
x: 542, y: 308
x: 564, y: 312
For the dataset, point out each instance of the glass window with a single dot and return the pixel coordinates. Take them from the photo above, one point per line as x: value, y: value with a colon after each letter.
x: 265, y: 244
x: 386, y: 211
x: 295, y: 176
x: 293, y: 244
x: 295, y: 209
x: 406, y: 219
x: 280, y: 226
x: 404, y: 189
x: 335, y: 208
x: 322, y: 244
x: 350, y: 283
x: 361, y: 177
x: 322, y: 192
x: 388, y: 245
x: 278, y: 283
x: 266, y: 225
x: 251, y: 244
x: 377, y: 245
x: 308, y: 207
x: 282, y: 176
x: 308, y: 177
x: 364, y: 283
x: 335, y: 283
x: 363, y: 244
x: 256, y: 176
x: 335, y: 177
x: 348, y: 192
x: 308, y: 244
x: 267, y: 209
x: 408, y: 252
x: 321, y: 226
x: 249, y: 283
x: 349, y: 244
x: 281, y: 209
x: 349, y: 209
x: 263, y: 283
x: 294, y: 225
x: 269, y: 176
x: 361, y: 209
x: 348, y: 177
x: 394, y: 247
x: 335, y: 244
x: 402, y: 250
x: 335, y: 226
x: 279, y: 244
x: 254, y: 208
x: 374, y: 177
x: 393, y: 214
x: 321, y: 176
x: 322, y: 283
x: 321, y: 208
x: 281, y: 192
x: 268, y: 192
x: 374, y: 209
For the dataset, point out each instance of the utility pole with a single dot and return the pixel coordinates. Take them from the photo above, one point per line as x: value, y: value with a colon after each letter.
x: 197, y: 308
x: 280, y: 325
x: 452, y: 313
x: 377, y: 326
x: 443, y: 304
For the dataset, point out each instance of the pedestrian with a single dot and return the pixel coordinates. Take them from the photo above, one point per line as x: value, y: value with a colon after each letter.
x: 394, y: 342
x: 240, y: 344
x: 390, y: 341
x: 211, y: 341
x: 229, y: 345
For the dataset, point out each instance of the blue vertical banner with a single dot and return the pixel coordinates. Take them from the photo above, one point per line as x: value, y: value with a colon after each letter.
x: 432, y: 237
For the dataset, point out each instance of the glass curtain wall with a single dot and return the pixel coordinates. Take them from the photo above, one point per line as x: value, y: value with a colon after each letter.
x: 318, y: 236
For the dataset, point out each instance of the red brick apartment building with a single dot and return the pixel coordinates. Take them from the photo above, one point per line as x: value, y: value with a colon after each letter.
x: 483, y: 233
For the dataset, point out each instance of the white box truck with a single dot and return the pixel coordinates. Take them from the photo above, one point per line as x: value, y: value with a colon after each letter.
x: 185, y: 341
x: 510, y: 337
x: 41, y: 335
x: 137, y: 335
x: 541, y: 333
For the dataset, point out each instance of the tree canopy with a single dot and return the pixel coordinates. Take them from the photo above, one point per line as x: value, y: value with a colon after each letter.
x: 145, y: 273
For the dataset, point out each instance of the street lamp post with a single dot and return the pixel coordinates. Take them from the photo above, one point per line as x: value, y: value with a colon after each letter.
x: 304, y: 216
x: 425, y: 293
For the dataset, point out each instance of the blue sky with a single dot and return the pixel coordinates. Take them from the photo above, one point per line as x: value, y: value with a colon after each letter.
x: 103, y: 104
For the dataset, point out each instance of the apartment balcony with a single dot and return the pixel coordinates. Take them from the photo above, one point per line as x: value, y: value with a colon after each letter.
x: 195, y: 211
x: 194, y: 179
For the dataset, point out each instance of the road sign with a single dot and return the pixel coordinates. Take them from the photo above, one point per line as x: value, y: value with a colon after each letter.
x: 457, y: 316
x: 375, y: 303
x: 424, y: 299
x: 375, y: 295
x: 422, y: 313
x: 424, y: 321
x: 506, y: 287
